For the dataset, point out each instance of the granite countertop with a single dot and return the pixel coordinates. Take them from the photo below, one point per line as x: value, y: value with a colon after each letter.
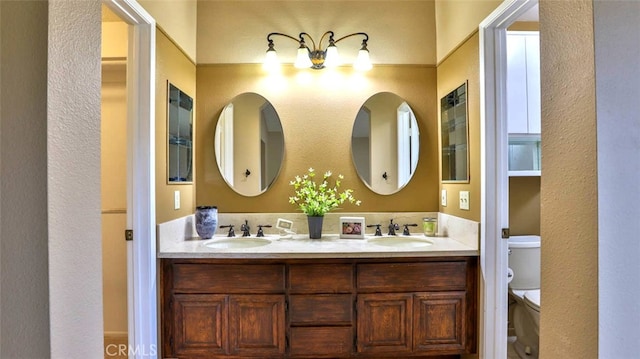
x: 329, y: 246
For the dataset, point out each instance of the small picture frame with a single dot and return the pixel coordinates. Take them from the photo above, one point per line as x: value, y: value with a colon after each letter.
x: 352, y: 227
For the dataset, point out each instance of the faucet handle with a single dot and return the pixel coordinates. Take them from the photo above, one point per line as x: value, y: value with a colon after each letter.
x: 405, y: 232
x: 260, y: 231
x: 231, y: 233
x: 378, y: 231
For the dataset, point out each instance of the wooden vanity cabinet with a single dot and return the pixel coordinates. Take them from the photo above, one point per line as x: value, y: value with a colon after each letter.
x: 219, y: 310
x: 319, y: 308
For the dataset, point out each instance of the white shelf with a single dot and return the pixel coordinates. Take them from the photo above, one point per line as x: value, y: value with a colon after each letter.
x: 524, y: 173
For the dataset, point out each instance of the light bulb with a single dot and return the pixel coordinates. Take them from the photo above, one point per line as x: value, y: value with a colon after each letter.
x: 332, y: 58
x: 363, y: 63
x: 271, y: 62
x: 303, y: 60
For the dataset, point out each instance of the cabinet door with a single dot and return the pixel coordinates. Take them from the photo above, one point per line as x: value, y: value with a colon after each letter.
x: 439, y: 320
x: 256, y: 325
x: 532, y: 45
x: 200, y: 322
x: 384, y: 323
x: 516, y: 84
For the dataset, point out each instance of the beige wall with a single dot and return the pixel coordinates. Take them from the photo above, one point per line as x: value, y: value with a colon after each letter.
x: 246, y: 143
x: 524, y: 205
x: 456, y: 20
x: 569, y: 282
x: 400, y: 32
x: 317, y: 110
x: 174, y: 66
x: 177, y: 18
x: 384, y: 143
x: 463, y: 65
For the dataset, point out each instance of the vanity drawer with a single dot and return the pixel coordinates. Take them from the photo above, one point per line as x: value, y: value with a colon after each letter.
x: 410, y: 277
x: 323, y: 309
x: 327, y: 342
x: 321, y: 278
x: 228, y: 278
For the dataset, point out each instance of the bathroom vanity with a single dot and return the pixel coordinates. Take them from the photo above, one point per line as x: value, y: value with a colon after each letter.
x: 332, y: 298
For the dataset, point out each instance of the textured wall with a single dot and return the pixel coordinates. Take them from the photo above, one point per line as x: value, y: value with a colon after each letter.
x: 617, y: 42
x: 569, y: 187
x: 73, y: 186
x: 24, y: 284
x: 317, y: 110
x: 463, y: 65
x: 173, y: 66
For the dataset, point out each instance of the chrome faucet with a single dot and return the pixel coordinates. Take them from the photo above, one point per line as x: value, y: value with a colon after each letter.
x: 245, y: 229
x: 393, y: 227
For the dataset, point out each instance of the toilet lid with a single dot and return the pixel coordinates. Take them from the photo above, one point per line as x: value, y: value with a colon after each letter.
x: 518, y: 293
x: 532, y: 299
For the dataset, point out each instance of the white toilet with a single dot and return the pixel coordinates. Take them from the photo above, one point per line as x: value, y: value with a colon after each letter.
x: 524, y: 293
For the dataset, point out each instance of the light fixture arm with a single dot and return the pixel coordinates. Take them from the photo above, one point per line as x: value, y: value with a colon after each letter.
x: 316, y: 54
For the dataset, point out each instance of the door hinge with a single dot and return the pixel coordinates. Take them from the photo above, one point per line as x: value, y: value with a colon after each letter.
x: 128, y: 234
x: 505, y: 233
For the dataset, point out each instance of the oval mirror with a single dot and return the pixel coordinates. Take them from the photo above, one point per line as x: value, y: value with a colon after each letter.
x: 385, y: 143
x: 249, y: 144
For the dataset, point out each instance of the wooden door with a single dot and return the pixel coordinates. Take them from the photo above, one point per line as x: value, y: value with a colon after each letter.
x: 439, y: 322
x: 384, y: 323
x: 257, y: 325
x: 200, y: 322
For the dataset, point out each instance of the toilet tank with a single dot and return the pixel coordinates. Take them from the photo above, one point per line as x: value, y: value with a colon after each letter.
x: 524, y: 262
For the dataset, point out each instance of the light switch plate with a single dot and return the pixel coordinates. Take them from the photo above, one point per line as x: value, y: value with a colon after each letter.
x: 464, y: 200
x: 443, y: 197
x: 176, y: 200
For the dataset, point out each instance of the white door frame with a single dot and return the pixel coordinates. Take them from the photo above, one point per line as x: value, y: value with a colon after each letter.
x: 494, y: 173
x: 141, y: 211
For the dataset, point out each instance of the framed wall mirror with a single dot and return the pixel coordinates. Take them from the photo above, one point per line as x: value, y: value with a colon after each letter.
x: 179, y: 136
x: 249, y: 144
x: 385, y: 143
x: 455, y: 135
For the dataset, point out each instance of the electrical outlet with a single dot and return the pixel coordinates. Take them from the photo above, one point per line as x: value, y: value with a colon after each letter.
x: 464, y: 200
x: 176, y: 200
x: 443, y: 197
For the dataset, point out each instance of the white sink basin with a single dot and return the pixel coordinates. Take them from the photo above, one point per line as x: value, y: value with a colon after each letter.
x: 400, y: 241
x: 237, y: 242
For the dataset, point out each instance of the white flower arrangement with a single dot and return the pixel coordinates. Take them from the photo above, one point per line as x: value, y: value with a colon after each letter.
x: 316, y: 199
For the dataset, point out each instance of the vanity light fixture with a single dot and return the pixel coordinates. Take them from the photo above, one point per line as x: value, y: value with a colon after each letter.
x: 315, y: 57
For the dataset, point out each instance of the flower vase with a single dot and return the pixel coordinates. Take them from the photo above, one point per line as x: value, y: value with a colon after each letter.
x: 315, y: 226
x: 206, y: 221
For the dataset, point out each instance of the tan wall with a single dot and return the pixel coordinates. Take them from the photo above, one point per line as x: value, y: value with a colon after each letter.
x: 177, y: 18
x: 384, y: 140
x: 317, y: 110
x: 246, y: 144
x: 463, y: 65
x: 524, y: 205
x: 456, y: 20
x: 569, y: 278
x: 114, y: 196
x: 171, y: 65
x: 400, y: 32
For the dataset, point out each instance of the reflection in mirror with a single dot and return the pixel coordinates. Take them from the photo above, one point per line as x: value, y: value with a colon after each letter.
x: 180, y: 131
x: 249, y: 144
x: 453, y: 121
x: 385, y: 143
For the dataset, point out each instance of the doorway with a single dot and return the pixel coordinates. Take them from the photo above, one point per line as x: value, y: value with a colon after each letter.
x: 494, y: 173
x: 142, y: 327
